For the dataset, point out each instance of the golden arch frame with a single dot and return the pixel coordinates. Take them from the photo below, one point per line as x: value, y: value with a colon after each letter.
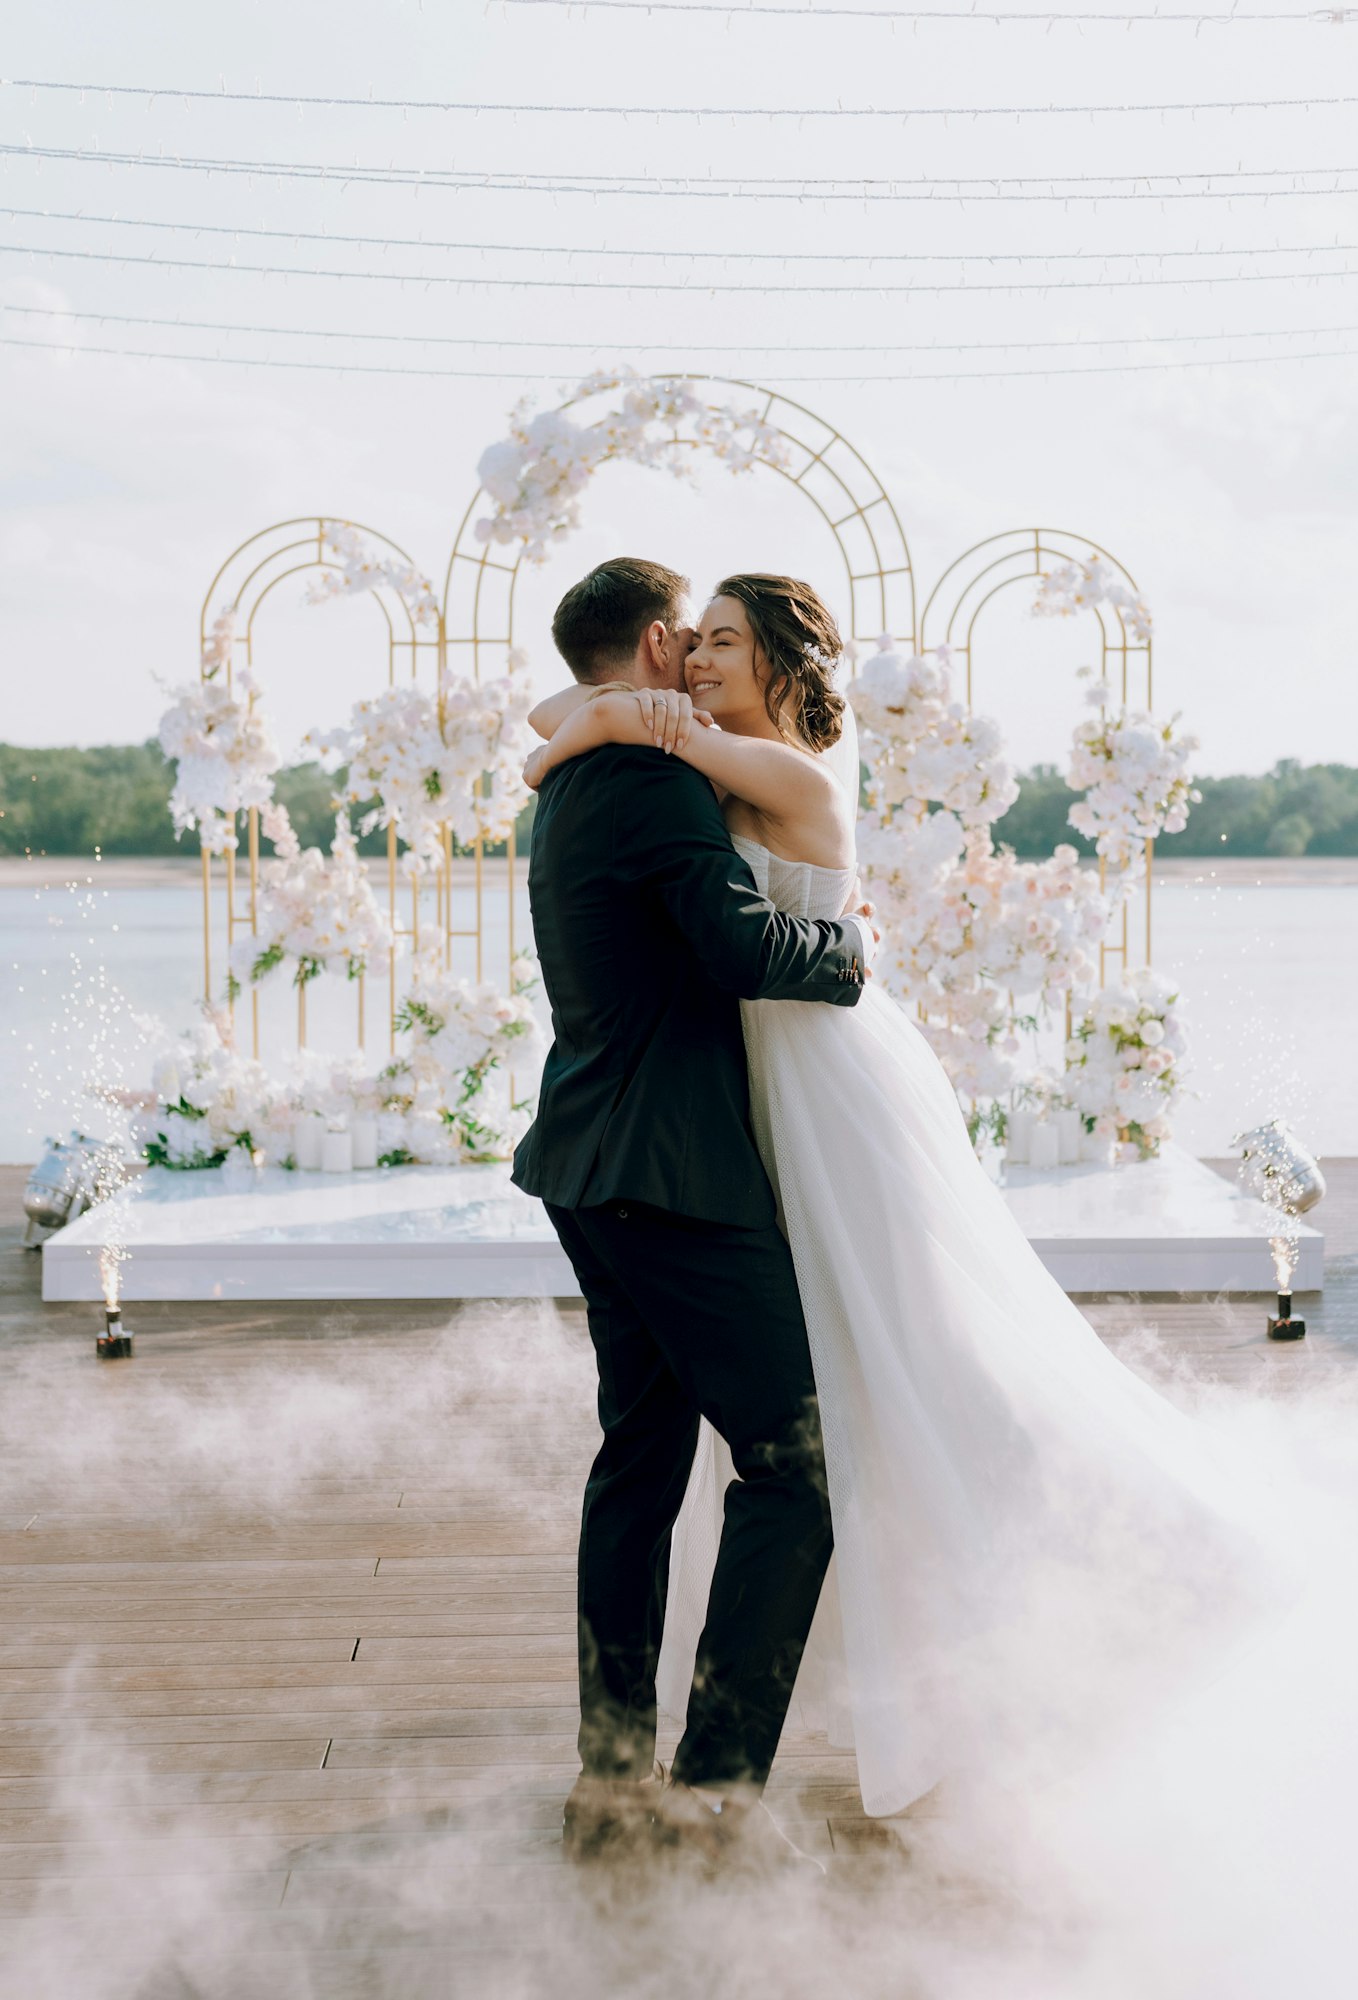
x: 241, y: 587
x: 1023, y: 555
x: 479, y: 584
x: 475, y: 629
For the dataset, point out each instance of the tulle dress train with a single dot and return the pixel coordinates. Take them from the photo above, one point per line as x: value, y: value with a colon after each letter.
x: 1030, y: 1541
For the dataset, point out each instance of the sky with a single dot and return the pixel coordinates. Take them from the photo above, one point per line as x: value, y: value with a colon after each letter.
x: 1228, y: 490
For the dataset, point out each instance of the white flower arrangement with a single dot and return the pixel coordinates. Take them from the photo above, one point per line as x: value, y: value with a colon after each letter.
x: 209, y: 1099
x: 467, y: 774
x: 316, y: 911
x: 1133, y: 771
x: 969, y: 933
x: 1079, y: 586
x: 444, y: 1099
x: 359, y: 568
x: 450, y: 1082
x: 1125, y: 1063
x: 921, y: 745
x: 225, y: 756
x: 976, y: 939
x: 536, y: 477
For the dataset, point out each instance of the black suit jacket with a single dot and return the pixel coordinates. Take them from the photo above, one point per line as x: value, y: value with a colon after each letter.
x: 649, y: 929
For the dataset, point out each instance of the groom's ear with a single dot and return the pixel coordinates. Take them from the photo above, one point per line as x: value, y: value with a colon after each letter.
x: 653, y: 639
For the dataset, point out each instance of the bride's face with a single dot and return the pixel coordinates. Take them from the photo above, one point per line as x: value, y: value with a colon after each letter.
x: 725, y: 672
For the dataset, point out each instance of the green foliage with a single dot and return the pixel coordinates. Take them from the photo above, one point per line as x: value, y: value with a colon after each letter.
x: 1295, y: 809
x: 115, y: 798
x: 72, y: 801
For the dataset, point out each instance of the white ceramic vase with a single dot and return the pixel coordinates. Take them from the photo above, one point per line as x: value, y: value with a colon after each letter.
x: 308, y: 1131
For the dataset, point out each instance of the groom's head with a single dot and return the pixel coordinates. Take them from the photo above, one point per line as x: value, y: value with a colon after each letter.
x: 627, y: 620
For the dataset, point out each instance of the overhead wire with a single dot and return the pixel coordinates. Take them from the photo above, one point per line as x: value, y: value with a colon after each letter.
x: 306, y: 101
x: 676, y: 346
x: 572, y: 284
x: 1064, y: 188
x: 740, y: 256
x: 504, y: 375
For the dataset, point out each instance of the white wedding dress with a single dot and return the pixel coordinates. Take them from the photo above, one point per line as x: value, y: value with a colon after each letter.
x: 1030, y: 1542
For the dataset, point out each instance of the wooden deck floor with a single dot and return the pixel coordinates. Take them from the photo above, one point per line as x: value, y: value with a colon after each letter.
x: 287, y: 1647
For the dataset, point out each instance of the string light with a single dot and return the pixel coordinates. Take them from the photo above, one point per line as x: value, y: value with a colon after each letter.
x: 508, y: 375
x: 929, y: 285
x: 685, y: 256
x: 683, y: 347
x: 300, y: 101
x: 1062, y: 188
x: 953, y: 16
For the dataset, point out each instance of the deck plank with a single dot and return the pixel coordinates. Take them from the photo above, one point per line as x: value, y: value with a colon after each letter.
x: 185, y: 1721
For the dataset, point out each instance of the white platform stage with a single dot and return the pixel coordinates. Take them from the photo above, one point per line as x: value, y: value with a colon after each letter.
x: 1165, y: 1225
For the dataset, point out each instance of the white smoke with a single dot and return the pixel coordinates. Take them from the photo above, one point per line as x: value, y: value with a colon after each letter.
x: 1205, y: 1857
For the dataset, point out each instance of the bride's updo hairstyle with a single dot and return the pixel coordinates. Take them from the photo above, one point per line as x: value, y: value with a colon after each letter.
x: 801, y: 646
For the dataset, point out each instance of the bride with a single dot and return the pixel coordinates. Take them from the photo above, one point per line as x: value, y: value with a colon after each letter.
x: 1030, y: 1542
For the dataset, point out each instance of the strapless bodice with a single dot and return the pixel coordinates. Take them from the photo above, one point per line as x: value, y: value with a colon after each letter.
x: 801, y: 888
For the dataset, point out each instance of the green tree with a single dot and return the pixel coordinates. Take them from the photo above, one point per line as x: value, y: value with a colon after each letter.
x: 116, y: 798
x: 1290, y: 835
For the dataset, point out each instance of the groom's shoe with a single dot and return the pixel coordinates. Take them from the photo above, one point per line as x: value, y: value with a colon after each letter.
x: 606, y: 1818
x: 729, y: 1835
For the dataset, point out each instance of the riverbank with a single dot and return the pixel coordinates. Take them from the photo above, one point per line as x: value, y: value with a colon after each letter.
x: 178, y: 871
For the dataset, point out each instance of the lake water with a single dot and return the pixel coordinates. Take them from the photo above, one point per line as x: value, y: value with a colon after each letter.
x: 1269, y: 974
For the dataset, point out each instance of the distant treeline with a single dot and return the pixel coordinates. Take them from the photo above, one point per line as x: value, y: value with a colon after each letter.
x: 114, y: 798
x: 1296, y: 809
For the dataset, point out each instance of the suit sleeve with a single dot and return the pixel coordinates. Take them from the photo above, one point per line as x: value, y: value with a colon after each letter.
x: 669, y: 838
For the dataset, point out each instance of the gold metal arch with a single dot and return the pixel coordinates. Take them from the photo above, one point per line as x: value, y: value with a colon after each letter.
x: 481, y: 579
x: 1022, y: 555
x: 242, y: 586
x: 475, y: 629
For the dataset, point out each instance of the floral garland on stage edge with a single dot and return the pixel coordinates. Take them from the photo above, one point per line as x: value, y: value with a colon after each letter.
x: 443, y: 1099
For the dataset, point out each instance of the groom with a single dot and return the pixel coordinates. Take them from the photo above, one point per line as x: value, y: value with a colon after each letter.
x: 649, y: 929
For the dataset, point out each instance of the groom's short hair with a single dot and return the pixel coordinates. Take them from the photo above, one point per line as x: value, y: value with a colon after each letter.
x: 599, y: 622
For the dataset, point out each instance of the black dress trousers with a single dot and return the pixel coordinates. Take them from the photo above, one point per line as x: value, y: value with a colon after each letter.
x: 690, y: 1317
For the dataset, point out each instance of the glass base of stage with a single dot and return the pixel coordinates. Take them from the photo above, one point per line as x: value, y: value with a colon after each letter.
x: 1166, y: 1225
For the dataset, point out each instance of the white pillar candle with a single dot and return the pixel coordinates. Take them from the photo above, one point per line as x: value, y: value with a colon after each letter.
x: 1045, y: 1149
x: 308, y: 1130
x: 363, y: 1132
x: 1069, y: 1126
x: 337, y: 1152
x: 1019, y: 1136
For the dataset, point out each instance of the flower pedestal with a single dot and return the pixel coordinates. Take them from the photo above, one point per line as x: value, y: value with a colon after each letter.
x: 1169, y: 1224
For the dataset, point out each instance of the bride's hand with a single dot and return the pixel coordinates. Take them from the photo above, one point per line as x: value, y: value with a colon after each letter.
x: 535, y: 770
x: 670, y: 716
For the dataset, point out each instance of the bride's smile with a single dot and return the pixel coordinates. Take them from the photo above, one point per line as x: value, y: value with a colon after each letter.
x: 728, y: 676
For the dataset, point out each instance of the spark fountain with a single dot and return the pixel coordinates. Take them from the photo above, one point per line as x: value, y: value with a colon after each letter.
x: 115, y: 1342
x: 1278, y: 1168
x: 1284, y: 1249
